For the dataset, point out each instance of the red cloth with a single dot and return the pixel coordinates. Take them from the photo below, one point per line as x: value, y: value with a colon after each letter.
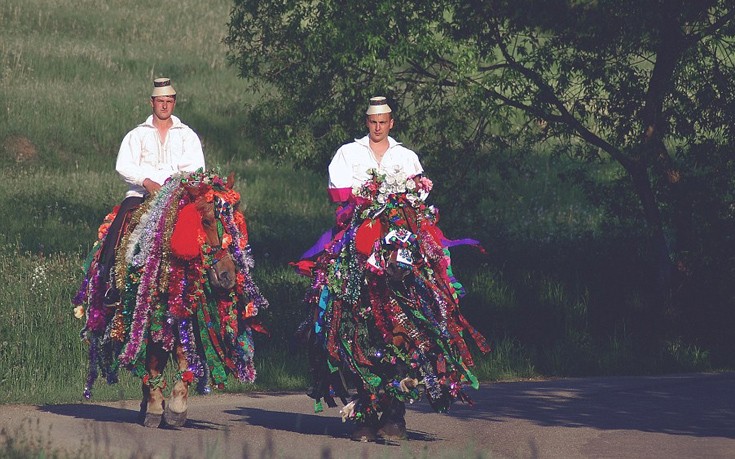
x: 303, y: 267
x: 339, y: 194
x: 368, y: 232
x: 188, y: 235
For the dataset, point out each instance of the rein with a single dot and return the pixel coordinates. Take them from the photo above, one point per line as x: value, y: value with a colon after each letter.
x: 218, y: 255
x: 217, y: 252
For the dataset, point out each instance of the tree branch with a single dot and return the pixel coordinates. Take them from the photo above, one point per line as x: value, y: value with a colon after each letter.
x: 564, y: 116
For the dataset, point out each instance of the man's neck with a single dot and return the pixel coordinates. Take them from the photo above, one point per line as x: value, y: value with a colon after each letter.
x: 163, y: 124
x: 379, y: 148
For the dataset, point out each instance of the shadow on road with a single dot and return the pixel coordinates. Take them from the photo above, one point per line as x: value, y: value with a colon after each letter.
x: 697, y: 405
x: 309, y: 424
x: 117, y: 415
x: 94, y: 412
x: 676, y: 404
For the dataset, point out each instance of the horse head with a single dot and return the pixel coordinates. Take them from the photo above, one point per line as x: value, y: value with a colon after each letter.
x: 201, y: 229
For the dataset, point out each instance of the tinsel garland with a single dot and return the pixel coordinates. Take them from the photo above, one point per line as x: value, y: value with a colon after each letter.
x: 396, y: 307
x: 188, y: 341
x: 168, y: 300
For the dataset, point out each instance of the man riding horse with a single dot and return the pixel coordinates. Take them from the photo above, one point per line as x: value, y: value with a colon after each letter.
x: 170, y: 272
x: 149, y: 154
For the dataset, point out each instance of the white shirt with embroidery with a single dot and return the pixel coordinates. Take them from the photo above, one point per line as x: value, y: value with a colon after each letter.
x: 142, y: 154
x: 350, y: 165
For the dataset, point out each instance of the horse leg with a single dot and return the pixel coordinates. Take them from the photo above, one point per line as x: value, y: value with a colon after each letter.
x: 151, y: 408
x: 177, y: 405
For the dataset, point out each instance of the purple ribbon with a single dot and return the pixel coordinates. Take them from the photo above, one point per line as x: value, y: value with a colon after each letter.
x: 318, y: 247
x: 455, y: 242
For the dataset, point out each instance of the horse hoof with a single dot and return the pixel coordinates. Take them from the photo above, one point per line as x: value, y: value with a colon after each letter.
x: 174, y: 419
x: 152, y: 420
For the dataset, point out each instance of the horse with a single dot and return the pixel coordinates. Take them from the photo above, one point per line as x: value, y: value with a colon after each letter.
x: 182, y: 268
x: 383, y: 312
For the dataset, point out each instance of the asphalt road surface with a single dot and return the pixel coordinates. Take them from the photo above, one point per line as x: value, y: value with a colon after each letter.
x: 679, y: 416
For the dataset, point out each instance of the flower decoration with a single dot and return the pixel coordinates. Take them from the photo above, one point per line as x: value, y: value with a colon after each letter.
x: 106, y: 222
x: 186, y: 376
x: 395, y: 186
x: 226, y: 240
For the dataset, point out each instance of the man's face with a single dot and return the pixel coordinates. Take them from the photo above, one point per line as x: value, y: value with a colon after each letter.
x: 379, y: 126
x: 163, y: 106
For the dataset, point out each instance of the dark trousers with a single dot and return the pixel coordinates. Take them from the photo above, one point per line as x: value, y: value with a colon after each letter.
x: 114, y: 234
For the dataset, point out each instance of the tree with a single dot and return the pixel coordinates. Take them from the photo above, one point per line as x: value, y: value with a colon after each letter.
x: 646, y: 84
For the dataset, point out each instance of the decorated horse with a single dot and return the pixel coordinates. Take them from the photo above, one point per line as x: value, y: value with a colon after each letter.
x: 182, y: 268
x: 384, y: 314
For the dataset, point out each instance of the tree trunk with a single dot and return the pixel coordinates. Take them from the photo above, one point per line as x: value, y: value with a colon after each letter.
x: 652, y: 215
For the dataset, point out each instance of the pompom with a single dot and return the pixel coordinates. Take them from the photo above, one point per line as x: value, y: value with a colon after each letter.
x: 188, y: 233
x: 369, y: 232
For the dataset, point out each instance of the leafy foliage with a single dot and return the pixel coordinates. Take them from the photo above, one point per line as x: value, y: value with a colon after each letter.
x: 643, y: 85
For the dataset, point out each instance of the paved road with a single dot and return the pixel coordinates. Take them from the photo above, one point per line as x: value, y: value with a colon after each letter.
x: 680, y: 416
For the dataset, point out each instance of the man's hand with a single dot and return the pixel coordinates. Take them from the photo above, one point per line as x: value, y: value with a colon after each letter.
x: 151, y: 186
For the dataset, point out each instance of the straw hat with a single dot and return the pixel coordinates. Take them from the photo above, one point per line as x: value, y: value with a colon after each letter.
x: 377, y: 106
x: 162, y: 87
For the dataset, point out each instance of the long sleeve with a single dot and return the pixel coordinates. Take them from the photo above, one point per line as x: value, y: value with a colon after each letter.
x: 340, y: 176
x: 193, y: 155
x: 130, y: 163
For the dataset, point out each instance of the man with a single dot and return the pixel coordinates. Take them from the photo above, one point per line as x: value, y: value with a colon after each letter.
x: 350, y: 168
x: 377, y: 150
x: 149, y: 154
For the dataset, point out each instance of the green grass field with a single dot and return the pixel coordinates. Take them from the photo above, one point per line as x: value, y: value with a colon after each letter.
x: 75, y: 77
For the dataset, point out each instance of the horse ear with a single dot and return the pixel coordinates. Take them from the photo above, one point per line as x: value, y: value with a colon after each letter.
x: 230, y: 181
x: 196, y: 189
x: 193, y: 190
x: 187, y: 234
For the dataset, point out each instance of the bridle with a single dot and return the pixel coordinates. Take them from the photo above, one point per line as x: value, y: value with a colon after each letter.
x: 218, y: 255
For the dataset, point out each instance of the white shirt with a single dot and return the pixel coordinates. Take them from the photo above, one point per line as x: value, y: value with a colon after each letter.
x: 142, y: 154
x: 351, y: 163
